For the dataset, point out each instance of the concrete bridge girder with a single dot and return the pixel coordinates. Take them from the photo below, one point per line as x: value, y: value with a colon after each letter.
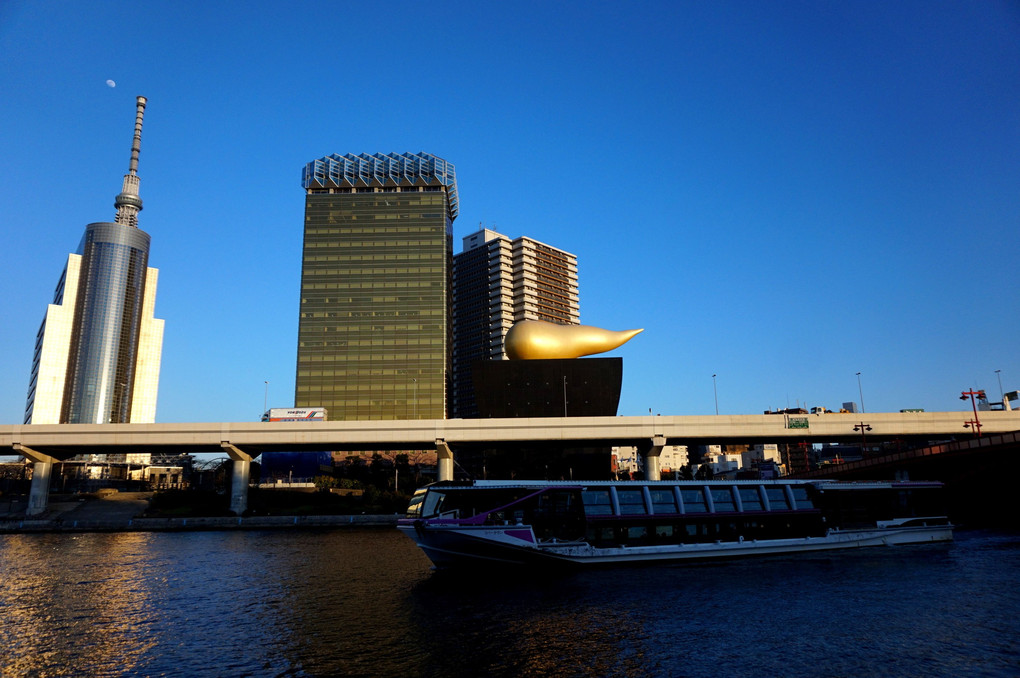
x: 235, y: 452
x: 33, y: 456
x: 61, y: 441
x: 45, y: 444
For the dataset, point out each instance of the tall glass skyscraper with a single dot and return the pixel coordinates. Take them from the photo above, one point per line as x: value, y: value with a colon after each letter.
x: 375, y: 331
x: 97, y: 353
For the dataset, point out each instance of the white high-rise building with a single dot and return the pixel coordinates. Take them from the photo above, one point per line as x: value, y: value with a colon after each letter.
x: 496, y: 283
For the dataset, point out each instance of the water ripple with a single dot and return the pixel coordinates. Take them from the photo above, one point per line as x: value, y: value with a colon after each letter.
x: 367, y: 603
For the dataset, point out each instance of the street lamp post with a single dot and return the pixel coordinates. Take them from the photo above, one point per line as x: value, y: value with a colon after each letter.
x: 265, y: 399
x: 715, y: 392
x: 974, y: 423
x: 564, y: 395
x: 860, y: 391
x: 1002, y: 396
x: 862, y: 427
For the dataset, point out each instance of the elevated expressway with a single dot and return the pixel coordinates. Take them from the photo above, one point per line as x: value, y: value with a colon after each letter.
x: 243, y: 442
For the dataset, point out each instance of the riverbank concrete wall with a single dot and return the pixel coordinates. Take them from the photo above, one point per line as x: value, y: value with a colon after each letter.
x: 195, y: 523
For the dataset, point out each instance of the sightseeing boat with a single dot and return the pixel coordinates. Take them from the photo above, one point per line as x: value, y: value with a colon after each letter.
x: 615, y: 522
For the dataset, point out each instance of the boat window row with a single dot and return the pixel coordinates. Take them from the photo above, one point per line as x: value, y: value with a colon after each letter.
x: 847, y: 506
x: 705, y: 528
x: 547, y: 506
x: 675, y: 500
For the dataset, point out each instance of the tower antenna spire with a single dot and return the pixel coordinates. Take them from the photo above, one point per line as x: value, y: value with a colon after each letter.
x: 128, y: 203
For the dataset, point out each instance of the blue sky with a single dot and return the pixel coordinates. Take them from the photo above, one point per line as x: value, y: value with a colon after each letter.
x: 783, y: 194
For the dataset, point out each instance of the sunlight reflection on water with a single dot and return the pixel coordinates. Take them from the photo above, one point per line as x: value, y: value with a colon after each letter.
x: 368, y: 603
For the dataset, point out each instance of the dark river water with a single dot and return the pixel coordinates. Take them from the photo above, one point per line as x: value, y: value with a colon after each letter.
x: 367, y: 603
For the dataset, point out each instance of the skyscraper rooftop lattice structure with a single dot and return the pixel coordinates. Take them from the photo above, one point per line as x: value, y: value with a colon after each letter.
x: 382, y: 170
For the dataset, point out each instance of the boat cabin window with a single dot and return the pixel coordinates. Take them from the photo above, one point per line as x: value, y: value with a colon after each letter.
x: 801, y: 498
x: 663, y: 501
x: 856, y: 507
x: 928, y: 501
x: 547, y: 508
x: 637, y: 533
x: 722, y: 499
x: 777, y: 499
x: 414, y: 507
x: 632, y: 501
x: 750, y: 500
x: 694, y: 501
x: 460, y: 503
x: 597, y: 502
x: 430, y: 506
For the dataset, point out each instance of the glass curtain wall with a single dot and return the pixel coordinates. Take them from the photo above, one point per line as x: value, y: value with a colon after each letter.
x: 104, y: 344
x: 374, y: 331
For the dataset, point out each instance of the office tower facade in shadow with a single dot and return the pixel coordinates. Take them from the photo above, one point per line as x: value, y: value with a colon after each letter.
x: 98, y: 351
x: 497, y: 282
x: 375, y: 330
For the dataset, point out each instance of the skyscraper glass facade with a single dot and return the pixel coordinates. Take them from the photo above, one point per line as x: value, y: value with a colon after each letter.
x: 374, y: 333
x: 104, y: 338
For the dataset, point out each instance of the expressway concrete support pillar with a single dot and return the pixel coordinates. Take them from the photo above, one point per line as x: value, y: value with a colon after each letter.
x: 651, y: 453
x: 239, y: 487
x: 42, y: 469
x: 444, y: 460
x: 39, y: 491
x: 240, y: 477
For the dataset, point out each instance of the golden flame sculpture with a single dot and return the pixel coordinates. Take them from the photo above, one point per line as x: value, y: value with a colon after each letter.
x: 539, y: 340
